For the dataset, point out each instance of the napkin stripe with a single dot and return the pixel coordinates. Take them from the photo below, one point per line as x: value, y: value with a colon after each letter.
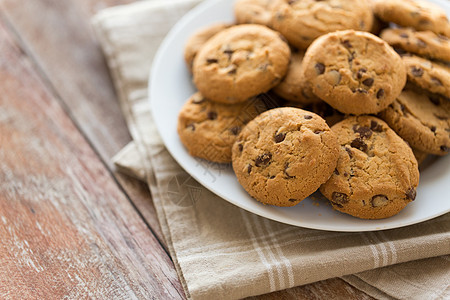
x: 270, y: 253
x: 258, y: 250
x: 384, y: 252
x: 391, y: 246
x: 280, y: 253
x: 374, y: 250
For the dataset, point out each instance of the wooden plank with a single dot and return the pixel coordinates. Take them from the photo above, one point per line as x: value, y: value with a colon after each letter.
x: 66, y: 229
x: 69, y: 56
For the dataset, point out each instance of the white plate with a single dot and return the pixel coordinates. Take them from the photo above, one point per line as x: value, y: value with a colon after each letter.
x: 171, y: 85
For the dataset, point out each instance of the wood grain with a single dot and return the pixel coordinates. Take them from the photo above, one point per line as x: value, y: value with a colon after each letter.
x: 66, y: 228
x: 57, y: 35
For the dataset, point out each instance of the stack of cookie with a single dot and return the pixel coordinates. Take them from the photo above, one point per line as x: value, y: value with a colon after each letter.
x: 269, y: 90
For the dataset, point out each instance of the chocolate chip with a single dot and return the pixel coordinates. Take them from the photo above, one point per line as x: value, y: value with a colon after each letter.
x: 421, y: 43
x: 379, y: 200
x: 240, y: 147
x: 290, y: 2
x: 347, y: 44
x: 191, y: 126
x: 411, y: 194
x: 436, y: 81
x: 318, y: 131
x: 336, y: 171
x: 360, y: 90
x: 433, y: 128
x: 358, y: 143
x: 320, y: 68
x: 368, y: 82
x: 360, y: 73
x: 263, y: 159
x: 349, y: 152
x: 444, y: 148
x: 400, y: 51
x: 308, y: 117
x: 345, y: 174
x: 434, y: 99
x: 211, y: 61
x: 340, y: 198
x: 232, y: 71
x: 417, y: 71
x: 229, y: 52
x: 364, y: 132
x: 404, y: 35
x: 375, y: 126
x: 249, y: 169
x: 197, y: 99
x: 271, y: 177
x: 212, y: 115
x: 279, y: 137
x: 293, y: 200
x: 235, y: 130
x: 380, y: 93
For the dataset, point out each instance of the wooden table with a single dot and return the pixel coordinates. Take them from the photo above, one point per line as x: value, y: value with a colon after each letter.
x: 70, y: 225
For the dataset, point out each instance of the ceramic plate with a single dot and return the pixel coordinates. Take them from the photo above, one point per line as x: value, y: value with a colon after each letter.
x: 171, y: 85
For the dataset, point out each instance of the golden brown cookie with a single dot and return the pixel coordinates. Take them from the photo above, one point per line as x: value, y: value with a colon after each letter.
x: 302, y: 21
x: 321, y: 108
x: 198, y: 39
x: 421, y: 15
x: 355, y: 72
x: 421, y: 120
x: 283, y: 155
x: 240, y: 62
x: 431, y: 76
x: 424, y: 43
x: 253, y: 12
x: 208, y: 129
x: 293, y: 86
x: 377, y: 173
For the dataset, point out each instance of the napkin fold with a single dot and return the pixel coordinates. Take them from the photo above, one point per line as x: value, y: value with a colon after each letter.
x: 222, y: 251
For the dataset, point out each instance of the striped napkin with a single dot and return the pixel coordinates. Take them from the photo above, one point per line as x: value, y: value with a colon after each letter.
x: 221, y: 251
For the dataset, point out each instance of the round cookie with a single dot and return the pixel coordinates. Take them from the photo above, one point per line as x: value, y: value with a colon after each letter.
x: 424, y: 43
x: 283, y: 155
x: 421, y: 15
x: 302, y: 21
x: 355, y: 72
x: 431, y: 76
x: 377, y: 173
x: 321, y: 108
x: 421, y: 120
x: 253, y: 12
x: 240, y: 62
x: 293, y: 85
x: 198, y: 39
x: 208, y: 129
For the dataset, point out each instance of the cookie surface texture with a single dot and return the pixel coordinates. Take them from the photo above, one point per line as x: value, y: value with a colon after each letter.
x: 431, y: 76
x: 253, y: 12
x: 283, y: 155
x: 421, y: 120
x: 198, y: 39
x: 208, y: 129
x: 424, y: 43
x: 240, y: 62
x: 302, y: 21
x: 420, y: 15
x: 355, y: 72
x: 377, y: 173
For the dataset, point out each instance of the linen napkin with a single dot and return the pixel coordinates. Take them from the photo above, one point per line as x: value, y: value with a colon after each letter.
x: 223, y: 252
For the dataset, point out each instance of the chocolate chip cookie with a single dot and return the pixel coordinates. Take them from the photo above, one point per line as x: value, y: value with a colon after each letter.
x: 284, y: 155
x: 293, y: 86
x: 431, y: 76
x: 208, y: 129
x: 198, y: 39
x: 302, y: 21
x: 240, y: 62
x: 421, y: 15
x: 355, y: 72
x: 422, y: 120
x: 377, y: 173
x: 253, y: 12
x: 424, y: 43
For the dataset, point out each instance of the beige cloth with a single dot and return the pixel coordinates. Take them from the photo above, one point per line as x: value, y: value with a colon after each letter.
x: 221, y: 251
